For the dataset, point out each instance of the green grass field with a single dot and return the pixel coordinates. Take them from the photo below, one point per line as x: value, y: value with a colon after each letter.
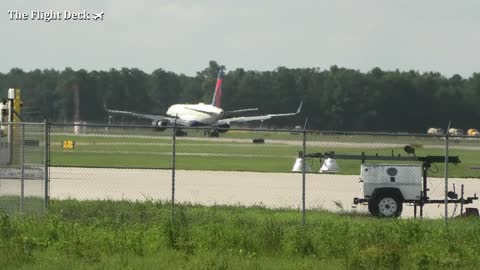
x: 133, y: 235
x: 238, y: 153
x: 29, y: 205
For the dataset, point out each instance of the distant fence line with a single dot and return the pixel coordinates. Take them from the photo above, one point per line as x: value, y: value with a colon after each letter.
x: 281, y: 130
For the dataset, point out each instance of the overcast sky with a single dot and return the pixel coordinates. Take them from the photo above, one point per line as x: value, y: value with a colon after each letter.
x: 183, y: 35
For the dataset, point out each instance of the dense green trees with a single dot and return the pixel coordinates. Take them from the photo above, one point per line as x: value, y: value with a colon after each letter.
x: 334, y: 99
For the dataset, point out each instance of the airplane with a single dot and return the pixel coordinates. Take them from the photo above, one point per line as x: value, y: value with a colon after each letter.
x: 212, y: 116
x: 98, y: 16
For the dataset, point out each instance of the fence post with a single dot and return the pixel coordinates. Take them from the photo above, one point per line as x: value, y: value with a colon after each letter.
x: 303, y: 173
x: 446, y: 174
x: 174, y: 154
x: 46, y: 163
x: 22, y: 168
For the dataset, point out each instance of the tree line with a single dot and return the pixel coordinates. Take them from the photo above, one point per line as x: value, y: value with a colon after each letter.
x: 333, y: 99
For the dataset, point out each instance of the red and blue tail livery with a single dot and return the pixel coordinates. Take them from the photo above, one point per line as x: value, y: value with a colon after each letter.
x: 217, y: 95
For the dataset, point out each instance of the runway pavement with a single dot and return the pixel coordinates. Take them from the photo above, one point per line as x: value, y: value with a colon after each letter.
x: 275, y: 190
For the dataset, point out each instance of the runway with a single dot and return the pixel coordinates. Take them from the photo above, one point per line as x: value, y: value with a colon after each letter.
x: 273, y: 190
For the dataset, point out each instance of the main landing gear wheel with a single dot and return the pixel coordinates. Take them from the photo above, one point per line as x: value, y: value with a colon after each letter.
x: 212, y: 134
x: 180, y: 133
x: 386, y: 204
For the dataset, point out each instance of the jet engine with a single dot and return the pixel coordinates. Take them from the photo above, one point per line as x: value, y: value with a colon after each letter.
x: 160, y: 125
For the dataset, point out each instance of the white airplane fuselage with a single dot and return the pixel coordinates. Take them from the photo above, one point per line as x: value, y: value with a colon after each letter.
x: 196, y: 114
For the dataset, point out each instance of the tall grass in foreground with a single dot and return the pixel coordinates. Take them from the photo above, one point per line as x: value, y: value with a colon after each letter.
x: 142, y: 235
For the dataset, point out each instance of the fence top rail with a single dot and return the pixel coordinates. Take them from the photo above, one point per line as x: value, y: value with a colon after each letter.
x: 24, y: 123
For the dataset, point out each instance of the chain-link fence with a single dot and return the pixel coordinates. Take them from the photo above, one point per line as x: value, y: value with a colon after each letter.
x: 23, y: 168
x: 381, y: 174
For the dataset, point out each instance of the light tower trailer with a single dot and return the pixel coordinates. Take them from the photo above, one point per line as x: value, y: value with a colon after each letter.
x: 386, y: 187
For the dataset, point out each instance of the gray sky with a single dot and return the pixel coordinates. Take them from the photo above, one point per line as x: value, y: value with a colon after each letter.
x: 183, y: 35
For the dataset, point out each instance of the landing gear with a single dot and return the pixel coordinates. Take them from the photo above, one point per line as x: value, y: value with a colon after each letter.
x: 213, y: 134
x: 180, y: 133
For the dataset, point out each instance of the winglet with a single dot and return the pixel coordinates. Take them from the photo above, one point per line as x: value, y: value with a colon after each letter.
x: 299, y: 107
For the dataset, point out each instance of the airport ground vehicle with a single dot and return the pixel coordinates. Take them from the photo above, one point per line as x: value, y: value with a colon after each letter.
x: 473, y: 132
x: 456, y: 132
x: 435, y: 131
x: 387, y: 187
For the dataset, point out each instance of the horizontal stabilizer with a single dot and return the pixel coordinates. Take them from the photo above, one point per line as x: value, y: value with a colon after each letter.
x: 242, y: 110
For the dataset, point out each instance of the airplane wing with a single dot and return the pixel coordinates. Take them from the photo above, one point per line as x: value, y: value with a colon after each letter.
x: 256, y: 118
x: 141, y: 115
x: 230, y: 113
x: 171, y: 120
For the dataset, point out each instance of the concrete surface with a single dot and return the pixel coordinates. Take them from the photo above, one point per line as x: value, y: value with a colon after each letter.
x: 275, y: 190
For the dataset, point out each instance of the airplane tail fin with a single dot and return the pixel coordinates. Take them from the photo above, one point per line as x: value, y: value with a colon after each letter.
x: 217, y: 96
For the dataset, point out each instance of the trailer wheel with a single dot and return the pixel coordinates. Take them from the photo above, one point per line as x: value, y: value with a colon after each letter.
x: 386, y: 204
